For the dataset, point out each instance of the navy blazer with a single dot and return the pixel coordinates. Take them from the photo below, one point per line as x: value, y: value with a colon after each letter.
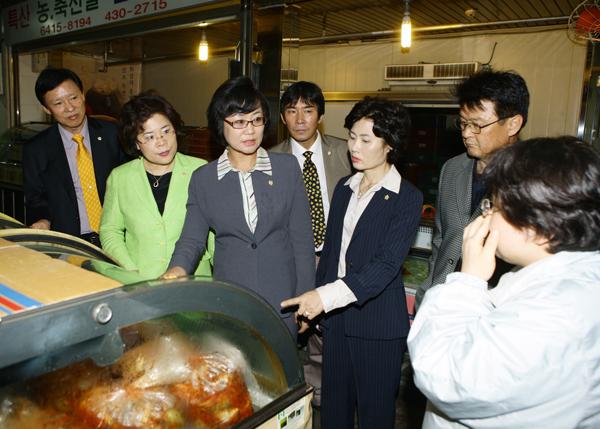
x: 49, y: 189
x: 377, y: 250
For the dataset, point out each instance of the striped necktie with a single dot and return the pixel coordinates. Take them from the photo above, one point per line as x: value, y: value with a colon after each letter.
x: 87, y: 178
x: 315, y: 199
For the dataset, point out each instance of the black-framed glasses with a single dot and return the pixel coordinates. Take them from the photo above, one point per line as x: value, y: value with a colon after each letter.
x: 474, y: 128
x: 239, y: 124
x: 151, y: 139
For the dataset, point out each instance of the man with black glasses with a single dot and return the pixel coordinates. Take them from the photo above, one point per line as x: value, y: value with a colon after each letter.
x: 493, y: 109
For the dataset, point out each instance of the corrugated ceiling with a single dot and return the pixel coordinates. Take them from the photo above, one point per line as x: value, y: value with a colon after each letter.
x: 337, y: 19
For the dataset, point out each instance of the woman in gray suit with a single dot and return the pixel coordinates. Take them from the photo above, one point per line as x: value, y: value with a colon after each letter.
x: 254, y: 201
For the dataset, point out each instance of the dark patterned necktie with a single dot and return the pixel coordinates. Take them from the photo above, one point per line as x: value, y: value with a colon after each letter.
x: 313, y: 187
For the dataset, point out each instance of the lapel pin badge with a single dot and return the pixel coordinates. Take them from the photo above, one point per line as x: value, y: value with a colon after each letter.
x: 387, y: 197
x: 329, y: 153
x: 99, y: 137
x: 271, y: 182
x: 183, y: 175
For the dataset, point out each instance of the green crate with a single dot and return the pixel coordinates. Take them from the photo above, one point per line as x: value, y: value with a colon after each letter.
x: 429, y: 177
x: 429, y: 199
x: 413, y: 156
x: 441, y: 160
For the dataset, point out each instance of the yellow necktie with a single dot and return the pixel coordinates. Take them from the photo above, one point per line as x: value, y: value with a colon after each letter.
x: 315, y: 199
x: 85, y: 166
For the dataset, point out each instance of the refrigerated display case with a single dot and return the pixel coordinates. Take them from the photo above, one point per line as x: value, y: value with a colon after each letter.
x: 12, y: 198
x: 193, y: 352
x: 52, y: 243
x: 7, y: 222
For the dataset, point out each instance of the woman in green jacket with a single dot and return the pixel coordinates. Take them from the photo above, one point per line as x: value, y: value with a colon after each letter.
x: 145, y: 202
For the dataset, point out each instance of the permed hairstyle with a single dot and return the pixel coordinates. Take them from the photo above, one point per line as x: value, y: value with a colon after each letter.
x: 307, y: 91
x: 137, y: 111
x: 505, y: 89
x: 237, y: 95
x: 391, y: 122
x: 551, y: 185
x: 52, y: 77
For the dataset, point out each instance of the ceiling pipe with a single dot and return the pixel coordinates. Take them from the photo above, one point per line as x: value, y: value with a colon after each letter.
x: 194, y: 55
x: 429, y: 28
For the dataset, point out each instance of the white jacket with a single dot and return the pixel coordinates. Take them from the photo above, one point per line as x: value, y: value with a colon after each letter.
x: 524, y: 355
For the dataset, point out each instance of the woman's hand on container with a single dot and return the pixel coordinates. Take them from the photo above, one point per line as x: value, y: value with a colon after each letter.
x: 479, y: 248
x: 41, y: 224
x: 173, y: 272
x: 309, y: 307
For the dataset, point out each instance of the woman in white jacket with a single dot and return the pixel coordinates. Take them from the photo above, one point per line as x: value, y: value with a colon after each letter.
x: 525, y: 354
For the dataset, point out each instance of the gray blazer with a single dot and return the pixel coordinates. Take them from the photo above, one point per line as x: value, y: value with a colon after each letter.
x: 336, y: 159
x: 278, y: 260
x: 452, y: 215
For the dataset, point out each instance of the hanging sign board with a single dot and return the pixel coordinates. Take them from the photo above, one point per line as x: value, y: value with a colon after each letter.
x: 35, y: 19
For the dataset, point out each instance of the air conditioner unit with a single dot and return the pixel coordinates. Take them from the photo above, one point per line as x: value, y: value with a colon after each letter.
x: 440, y: 73
x: 289, y: 75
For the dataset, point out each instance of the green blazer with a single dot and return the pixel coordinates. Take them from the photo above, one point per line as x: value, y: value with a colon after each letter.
x: 132, y: 229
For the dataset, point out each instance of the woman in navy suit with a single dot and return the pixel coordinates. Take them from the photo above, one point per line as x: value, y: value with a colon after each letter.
x: 372, y: 222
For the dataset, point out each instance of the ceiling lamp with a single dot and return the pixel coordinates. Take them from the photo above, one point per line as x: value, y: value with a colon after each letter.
x: 203, y: 48
x: 405, y: 34
x: 471, y: 12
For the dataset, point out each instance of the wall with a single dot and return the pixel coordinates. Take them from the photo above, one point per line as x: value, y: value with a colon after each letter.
x: 552, y: 65
x: 110, y: 89
x: 187, y: 84
x: 31, y: 109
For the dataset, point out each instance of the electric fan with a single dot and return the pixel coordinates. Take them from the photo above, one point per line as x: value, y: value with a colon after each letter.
x: 584, y: 21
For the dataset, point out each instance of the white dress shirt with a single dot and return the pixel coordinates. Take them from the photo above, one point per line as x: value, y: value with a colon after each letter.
x: 263, y: 164
x: 337, y: 294
x: 317, y: 159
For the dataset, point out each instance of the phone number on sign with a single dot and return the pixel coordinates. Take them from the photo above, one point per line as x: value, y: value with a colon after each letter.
x: 70, y: 25
x: 138, y: 9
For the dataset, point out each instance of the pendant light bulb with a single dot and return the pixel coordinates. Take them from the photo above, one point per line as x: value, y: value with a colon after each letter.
x: 406, y: 30
x: 203, y: 48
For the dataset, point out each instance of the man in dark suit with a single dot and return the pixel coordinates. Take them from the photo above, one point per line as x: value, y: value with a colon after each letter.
x: 53, y: 189
x: 302, y: 109
x: 493, y: 109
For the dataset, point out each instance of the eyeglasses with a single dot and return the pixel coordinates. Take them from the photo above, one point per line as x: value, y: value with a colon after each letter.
x: 151, y: 139
x: 474, y: 128
x: 239, y: 124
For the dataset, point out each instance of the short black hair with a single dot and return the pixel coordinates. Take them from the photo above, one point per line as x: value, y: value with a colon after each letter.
x: 551, y: 185
x: 52, y: 77
x: 307, y: 91
x: 236, y: 95
x: 391, y: 122
x: 137, y: 111
x: 506, y: 90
